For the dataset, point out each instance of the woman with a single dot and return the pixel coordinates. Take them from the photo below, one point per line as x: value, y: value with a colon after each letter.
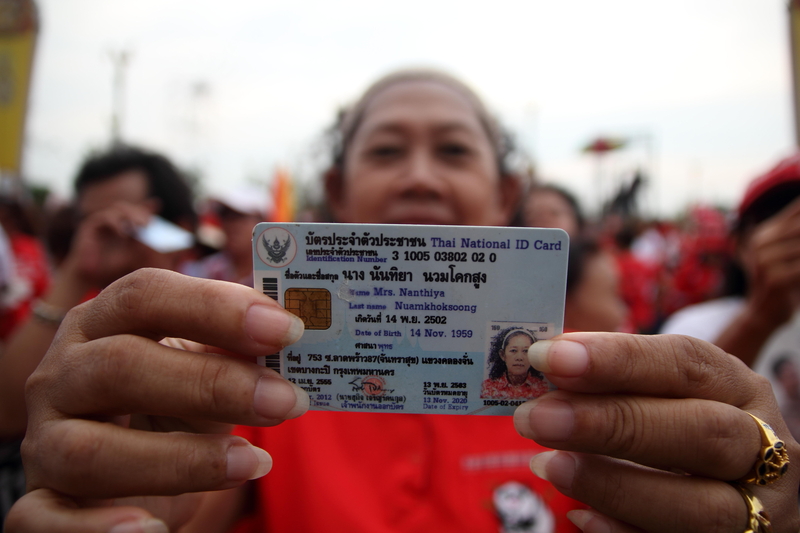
x: 510, y: 374
x: 551, y: 206
x: 417, y: 148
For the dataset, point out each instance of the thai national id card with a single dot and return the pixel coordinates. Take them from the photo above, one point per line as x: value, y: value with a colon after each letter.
x: 414, y: 319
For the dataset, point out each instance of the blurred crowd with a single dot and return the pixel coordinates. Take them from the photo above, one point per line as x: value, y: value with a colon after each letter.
x: 667, y: 264
x: 726, y: 276
x: 626, y: 273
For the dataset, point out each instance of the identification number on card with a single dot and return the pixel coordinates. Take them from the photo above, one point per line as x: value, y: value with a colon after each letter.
x: 414, y: 319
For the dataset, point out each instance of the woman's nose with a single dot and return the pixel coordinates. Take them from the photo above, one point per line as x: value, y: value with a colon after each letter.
x: 422, y: 173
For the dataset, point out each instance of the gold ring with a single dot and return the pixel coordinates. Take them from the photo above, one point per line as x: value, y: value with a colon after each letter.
x: 772, y: 461
x: 757, y: 521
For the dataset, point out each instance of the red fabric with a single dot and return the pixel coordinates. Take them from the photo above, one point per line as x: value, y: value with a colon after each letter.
x: 31, y: 266
x: 501, y: 388
x: 381, y: 473
x: 639, y: 290
x: 786, y: 171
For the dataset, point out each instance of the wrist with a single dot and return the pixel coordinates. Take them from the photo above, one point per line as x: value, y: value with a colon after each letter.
x: 764, y: 319
x: 68, y: 289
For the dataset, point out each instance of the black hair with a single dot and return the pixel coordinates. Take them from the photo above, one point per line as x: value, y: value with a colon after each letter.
x: 567, y: 196
x: 580, y: 251
x: 762, y: 209
x: 165, y: 181
x: 497, y: 367
x: 782, y: 361
x: 767, y: 205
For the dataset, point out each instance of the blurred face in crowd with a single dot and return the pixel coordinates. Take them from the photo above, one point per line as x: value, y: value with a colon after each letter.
x: 594, y: 304
x: 238, y: 229
x: 421, y: 156
x: 106, y: 206
x: 515, y: 355
x: 128, y: 187
x: 548, y: 209
x: 789, y: 380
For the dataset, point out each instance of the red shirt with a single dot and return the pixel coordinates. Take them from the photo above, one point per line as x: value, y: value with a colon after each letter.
x: 501, y: 388
x: 32, y: 268
x: 379, y: 473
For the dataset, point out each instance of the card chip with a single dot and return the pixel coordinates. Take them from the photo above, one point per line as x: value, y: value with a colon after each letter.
x: 313, y: 306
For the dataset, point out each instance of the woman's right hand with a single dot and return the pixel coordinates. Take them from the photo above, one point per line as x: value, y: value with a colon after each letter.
x: 117, y: 411
x: 773, y: 266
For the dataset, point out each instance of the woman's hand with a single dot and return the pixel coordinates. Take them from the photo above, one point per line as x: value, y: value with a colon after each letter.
x: 652, y: 429
x: 772, y: 262
x: 115, y: 413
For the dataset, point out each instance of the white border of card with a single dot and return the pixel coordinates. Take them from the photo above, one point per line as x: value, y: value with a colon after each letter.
x: 406, y: 319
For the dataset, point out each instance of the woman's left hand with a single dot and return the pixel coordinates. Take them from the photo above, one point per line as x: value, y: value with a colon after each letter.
x: 653, y: 430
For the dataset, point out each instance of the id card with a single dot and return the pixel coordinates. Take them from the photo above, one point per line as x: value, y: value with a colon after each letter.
x: 414, y: 319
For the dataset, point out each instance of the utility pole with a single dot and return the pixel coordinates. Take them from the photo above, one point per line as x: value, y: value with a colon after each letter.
x: 794, y: 46
x: 120, y: 60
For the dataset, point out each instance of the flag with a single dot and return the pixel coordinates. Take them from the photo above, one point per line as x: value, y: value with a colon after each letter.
x: 18, y: 28
x: 283, y: 195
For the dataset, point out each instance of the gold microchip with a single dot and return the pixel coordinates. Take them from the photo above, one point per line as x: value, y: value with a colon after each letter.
x: 313, y: 306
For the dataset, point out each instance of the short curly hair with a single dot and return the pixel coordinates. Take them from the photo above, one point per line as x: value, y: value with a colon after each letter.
x: 164, y: 180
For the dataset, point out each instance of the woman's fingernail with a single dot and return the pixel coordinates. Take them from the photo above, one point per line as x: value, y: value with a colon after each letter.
x: 563, y: 358
x: 147, y: 525
x: 277, y: 398
x: 582, y: 517
x: 247, y: 462
x: 271, y: 325
x: 556, y: 467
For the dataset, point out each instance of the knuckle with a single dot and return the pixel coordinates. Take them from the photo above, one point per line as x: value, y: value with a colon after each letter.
x: 65, y: 455
x: 48, y: 381
x: 134, y: 290
x: 627, y: 428
x: 29, y: 450
x: 210, y: 390
x: 620, y: 360
x: 688, y: 358
x: 613, y: 495
x: 36, y: 383
x: 720, y: 440
x: 706, y: 370
x: 200, y: 461
x: 134, y: 293
x: 710, y: 513
x: 607, y: 492
x: 110, y: 367
x: 23, y: 514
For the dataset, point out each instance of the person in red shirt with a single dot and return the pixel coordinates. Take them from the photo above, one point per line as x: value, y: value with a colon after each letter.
x: 416, y: 149
x: 31, y: 269
x: 116, y: 414
x: 117, y: 191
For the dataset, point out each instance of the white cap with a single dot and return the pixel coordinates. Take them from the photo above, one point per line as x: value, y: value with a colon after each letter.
x: 249, y: 200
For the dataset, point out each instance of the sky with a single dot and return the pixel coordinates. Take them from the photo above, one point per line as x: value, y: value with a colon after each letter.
x: 701, y: 88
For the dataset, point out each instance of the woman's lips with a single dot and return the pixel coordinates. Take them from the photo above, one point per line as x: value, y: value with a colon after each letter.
x: 433, y: 215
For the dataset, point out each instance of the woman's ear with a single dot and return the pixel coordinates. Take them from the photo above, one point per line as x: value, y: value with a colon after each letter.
x: 510, y: 198
x: 334, y: 193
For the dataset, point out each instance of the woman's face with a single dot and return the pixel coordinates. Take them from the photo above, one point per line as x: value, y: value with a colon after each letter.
x: 421, y: 156
x: 595, y: 304
x: 515, y: 355
x: 548, y: 209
